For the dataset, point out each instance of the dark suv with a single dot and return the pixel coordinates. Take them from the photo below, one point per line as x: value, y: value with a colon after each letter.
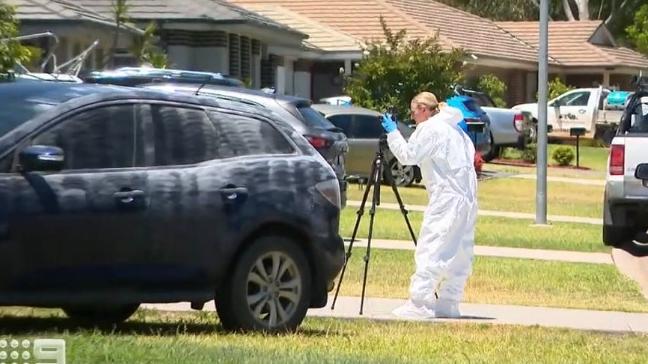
x: 330, y: 141
x: 111, y: 197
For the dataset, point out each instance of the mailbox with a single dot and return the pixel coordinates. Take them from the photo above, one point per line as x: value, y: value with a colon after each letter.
x: 577, y: 131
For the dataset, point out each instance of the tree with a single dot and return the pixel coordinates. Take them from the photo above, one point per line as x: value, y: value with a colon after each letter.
x: 557, y: 88
x: 120, y: 16
x: 145, y: 48
x: 392, y: 72
x: 638, y: 32
x: 615, y: 13
x: 505, y: 10
x: 494, y: 87
x: 11, y: 51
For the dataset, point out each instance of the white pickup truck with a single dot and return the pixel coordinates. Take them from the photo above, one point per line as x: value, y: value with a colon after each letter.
x: 583, y: 107
x: 625, y: 212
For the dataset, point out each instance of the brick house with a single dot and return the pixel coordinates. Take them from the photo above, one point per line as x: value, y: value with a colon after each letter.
x: 582, y: 53
x: 300, y: 46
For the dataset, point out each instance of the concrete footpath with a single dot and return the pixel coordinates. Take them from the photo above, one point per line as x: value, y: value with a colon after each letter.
x: 492, y: 213
x: 578, y: 181
x: 380, y: 309
x: 503, y: 252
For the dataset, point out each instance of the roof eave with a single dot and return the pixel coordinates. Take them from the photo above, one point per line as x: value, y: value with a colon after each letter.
x: 129, y: 29
x: 224, y: 22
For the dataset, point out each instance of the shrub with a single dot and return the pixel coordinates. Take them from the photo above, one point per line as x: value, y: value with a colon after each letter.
x: 529, y: 153
x: 564, y: 156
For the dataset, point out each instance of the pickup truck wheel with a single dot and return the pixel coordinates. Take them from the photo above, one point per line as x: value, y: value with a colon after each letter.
x: 494, y: 150
x: 640, y: 242
x: 616, y: 235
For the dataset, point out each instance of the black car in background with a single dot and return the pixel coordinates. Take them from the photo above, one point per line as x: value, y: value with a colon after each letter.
x: 329, y: 140
x: 111, y: 197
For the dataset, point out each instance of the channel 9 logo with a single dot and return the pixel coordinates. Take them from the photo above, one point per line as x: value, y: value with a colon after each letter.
x: 40, y: 351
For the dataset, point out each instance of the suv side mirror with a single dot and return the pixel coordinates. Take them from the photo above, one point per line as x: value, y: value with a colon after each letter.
x: 41, y: 158
x: 642, y: 172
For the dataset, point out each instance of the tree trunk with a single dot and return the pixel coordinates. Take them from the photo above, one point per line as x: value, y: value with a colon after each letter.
x: 568, y: 11
x: 583, y: 9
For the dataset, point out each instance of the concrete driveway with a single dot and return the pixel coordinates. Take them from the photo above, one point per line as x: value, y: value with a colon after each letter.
x: 632, y: 261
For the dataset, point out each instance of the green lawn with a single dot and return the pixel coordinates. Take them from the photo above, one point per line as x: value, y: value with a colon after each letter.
x: 519, y: 195
x: 506, y: 281
x: 491, y: 231
x: 169, y: 338
x: 511, y: 194
x: 551, y: 171
x: 590, y: 157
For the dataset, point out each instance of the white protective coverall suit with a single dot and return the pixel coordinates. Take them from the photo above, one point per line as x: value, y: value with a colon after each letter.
x: 444, y: 253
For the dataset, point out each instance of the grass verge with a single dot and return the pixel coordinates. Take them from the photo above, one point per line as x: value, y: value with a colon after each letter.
x: 506, y: 281
x: 491, y: 231
x: 194, y: 338
x: 510, y: 194
x: 551, y: 171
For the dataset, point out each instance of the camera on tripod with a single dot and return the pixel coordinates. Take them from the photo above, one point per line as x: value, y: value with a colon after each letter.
x: 391, y: 110
x: 382, y: 140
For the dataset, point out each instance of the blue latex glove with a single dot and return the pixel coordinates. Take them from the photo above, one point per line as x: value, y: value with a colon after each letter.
x: 388, y: 123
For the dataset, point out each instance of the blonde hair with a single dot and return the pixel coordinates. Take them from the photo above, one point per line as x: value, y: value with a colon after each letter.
x: 426, y: 99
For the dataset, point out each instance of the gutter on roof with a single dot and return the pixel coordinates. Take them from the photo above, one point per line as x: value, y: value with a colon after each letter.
x: 128, y: 29
x: 223, y: 22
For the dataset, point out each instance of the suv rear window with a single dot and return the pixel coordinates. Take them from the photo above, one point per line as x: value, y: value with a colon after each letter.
x: 313, y: 118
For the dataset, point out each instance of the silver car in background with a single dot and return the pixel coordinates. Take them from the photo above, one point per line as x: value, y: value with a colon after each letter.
x: 508, y: 128
x: 363, y: 130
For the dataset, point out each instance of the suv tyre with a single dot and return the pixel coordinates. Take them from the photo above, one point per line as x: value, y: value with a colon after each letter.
x: 268, y: 289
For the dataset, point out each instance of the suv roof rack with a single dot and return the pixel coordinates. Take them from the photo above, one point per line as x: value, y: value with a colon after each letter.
x: 68, y: 71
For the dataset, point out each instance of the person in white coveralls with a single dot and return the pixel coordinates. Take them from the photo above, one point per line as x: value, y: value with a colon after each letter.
x: 444, y: 254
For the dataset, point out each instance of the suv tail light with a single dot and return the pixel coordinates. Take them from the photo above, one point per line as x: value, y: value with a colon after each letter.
x: 330, y: 190
x: 518, y: 121
x: 319, y: 142
x: 617, y: 160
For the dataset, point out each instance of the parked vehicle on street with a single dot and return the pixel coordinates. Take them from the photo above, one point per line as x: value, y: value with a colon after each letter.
x: 111, y: 197
x: 578, y: 108
x: 363, y: 130
x: 626, y: 190
x: 296, y: 111
x: 479, y: 130
x: 508, y: 128
x: 134, y: 76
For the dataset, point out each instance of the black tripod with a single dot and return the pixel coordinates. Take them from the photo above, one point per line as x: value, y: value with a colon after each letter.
x: 375, y: 179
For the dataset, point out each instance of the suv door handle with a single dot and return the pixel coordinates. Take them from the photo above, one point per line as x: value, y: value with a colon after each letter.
x: 127, y: 197
x: 231, y: 194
